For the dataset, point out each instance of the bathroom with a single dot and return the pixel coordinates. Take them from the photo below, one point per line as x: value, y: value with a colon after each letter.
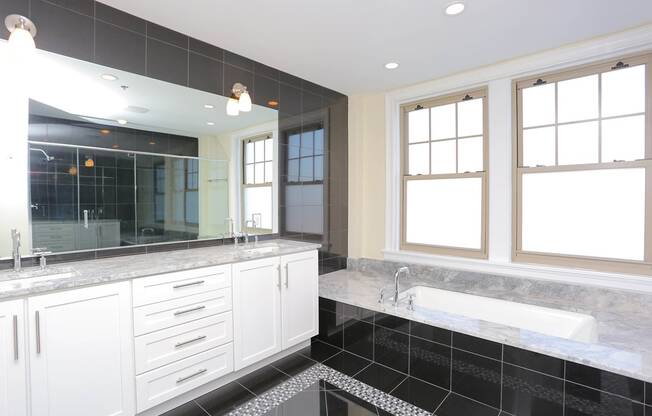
x: 445, y: 214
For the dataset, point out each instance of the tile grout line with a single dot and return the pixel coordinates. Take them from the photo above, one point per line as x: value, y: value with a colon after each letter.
x: 442, y: 402
x: 563, y: 397
x: 502, y: 375
x: 201, y: 407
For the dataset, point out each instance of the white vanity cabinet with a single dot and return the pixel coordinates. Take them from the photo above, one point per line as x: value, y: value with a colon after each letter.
x: 299, y: 298
x: 13, y: 369
x: 81, y: 352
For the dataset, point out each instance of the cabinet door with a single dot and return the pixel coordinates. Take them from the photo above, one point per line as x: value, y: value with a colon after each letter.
x: 13, y: 376
x: 300, y: 297
x: 256, y: 310
x: 81, y: 352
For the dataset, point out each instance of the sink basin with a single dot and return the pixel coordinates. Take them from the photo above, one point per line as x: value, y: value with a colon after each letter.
x: 256, y: 251
x: 27, y: 278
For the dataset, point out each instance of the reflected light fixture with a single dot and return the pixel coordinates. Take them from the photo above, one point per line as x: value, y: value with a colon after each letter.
x: 122, y: 122
x: 210, y: 123
x: 209, y: 106
x: 152, y: 142
x: 105, y: 132
x: 272, y: 103
x: 116, y: 146
x: 109, y: 77
x: 240, y: 100
x: 232, y: 106
x: 89, y: 162
x: 454, y: 8
x: 391, y: 65
x: 22, y: 32
x: 72, y: 171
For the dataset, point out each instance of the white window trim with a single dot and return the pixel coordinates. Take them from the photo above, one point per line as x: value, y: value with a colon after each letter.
x: 499, y: 78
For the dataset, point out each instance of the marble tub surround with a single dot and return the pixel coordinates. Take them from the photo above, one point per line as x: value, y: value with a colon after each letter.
x: 623, y: 344
x: 32, y: 281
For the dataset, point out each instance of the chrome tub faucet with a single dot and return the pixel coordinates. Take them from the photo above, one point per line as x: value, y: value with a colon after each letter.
x: 402, y: 270
x: 15, y: 244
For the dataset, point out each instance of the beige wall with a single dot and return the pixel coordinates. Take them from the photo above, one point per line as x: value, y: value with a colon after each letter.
x: 366, y: 175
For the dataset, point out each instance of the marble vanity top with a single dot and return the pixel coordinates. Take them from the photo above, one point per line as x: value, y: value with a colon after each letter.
x: 31, y: 281
x: 624, y: 341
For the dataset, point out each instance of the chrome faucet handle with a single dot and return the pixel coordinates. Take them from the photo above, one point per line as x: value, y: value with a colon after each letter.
x: 410, y: 305
x: 381, y: 296
x: 41, y: 252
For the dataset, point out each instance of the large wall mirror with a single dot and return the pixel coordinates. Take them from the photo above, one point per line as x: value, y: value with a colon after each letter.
x: 117, y: 159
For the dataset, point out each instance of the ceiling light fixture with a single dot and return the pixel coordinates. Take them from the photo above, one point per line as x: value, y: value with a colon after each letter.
x: 22, y: 35
x: 210, y: 123
x: 89, y: 162
x: 272, y: 103
x: 454, y: 8
x: 240, y: 100
x: 209, y: 106
x: 391, y: 65
x: 122, y: 122
x: 109, y: 77
x: 105, y: 132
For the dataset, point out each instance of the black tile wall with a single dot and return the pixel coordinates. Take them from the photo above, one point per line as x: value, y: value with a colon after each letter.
x: 477, y: 376
x: 94, y: 32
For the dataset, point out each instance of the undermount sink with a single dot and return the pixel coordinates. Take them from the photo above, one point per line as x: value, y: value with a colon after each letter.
x: 256, y: 251
x: 27, y: 278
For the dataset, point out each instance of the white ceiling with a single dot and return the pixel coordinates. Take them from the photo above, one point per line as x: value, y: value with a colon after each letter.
x: 344, y: 44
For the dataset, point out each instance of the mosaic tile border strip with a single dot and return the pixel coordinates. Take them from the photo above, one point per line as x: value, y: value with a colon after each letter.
x: 285, y: 391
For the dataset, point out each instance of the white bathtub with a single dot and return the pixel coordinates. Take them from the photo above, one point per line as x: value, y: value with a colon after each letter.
x: 554, y: 322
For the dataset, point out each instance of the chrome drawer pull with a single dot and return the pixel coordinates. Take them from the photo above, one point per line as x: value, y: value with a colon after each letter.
x: 37, y: 318
x: 198, y: 308
x: 199, y: 282
x: 190, y: 341
x: 15, y: 338
x: 186, y: 378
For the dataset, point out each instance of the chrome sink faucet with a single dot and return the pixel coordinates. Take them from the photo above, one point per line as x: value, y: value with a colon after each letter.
x: 15, y: 244
x: 402, y: 270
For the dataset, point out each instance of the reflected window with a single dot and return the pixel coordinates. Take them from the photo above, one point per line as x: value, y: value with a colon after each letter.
x: 257, y: 184
x: 305, y: 156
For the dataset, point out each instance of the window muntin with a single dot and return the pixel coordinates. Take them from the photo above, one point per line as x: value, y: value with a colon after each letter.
x: 257, y: 183
x: 305, y: 156
x: 583, y: 190
x: 444, y: 178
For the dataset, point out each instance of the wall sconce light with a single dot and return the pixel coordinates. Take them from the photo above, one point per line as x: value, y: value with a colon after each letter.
x: 240, y: 100
x: 22, y: 32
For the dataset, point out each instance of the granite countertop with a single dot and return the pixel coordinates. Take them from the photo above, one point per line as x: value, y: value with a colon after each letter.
x: 31, y: 281
x: 623, y: 345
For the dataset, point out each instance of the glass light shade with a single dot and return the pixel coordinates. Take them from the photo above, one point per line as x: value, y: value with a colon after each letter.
x: 232, y: 107
x: 245, y: 102
x: 21, y: 41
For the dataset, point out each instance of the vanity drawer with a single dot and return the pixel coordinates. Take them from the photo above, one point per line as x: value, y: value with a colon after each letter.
x: 164, y: 383
x: 169, y: 345
x: 150, y: 318
x: 168, y: 286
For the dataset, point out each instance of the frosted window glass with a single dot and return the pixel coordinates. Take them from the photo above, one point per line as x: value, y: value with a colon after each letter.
x: 623, y: 138
x: 293, y: 170
x: 539, y: 105
x: 469, y: 154
x: 269, y: 149
x: 443, y: 157
x: 444, y: 212
x: 269, y: 173
x: 305, y: 170
x: 260, y: 151
x: 442, y: 121
x: 249, y: 174
x: 597, y: 213
x: 418, y: 126
x: 258, y: 203
x: 578, y: 143
x: 539, y: 146
x: 307, y: 143
x: 418, y: 155
x: 319, y: 168
x: 249, y: 152
x: 260, y: 173
x: 469, y: 118
x: 623, y: 91
x: 577, y: 99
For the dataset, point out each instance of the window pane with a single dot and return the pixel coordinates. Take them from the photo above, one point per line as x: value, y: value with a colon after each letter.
x: 258, y: 205
x: 269, y: 173
x: 249, y: 174
x: 319, y: 142
x: 269, y: 149
x: 418, y: 126
x: 539, y: 105
x: 539, y: 146
x: 623, y: 91
x: 623, y: 138
x: 418, y: 159
x: 249, y: 152
x: 319, y: 168
x: 305, y: 170
x: 259, y: 172
x: 469, y: 155
x: 442, y: 156
x: 469, y: 118
x: 192, y: 207
x: 598, y: 213
x: 294, y: 146
x: 442, y: 121
x: 444, y: 212
x: 307, y: 143
x: 578, y: 143
x: 260, y: 151
x: 293, y: 170
x: 578, y: 99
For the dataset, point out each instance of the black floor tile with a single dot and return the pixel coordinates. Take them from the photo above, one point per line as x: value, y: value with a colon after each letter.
x: 359, y: 338
x: 264, y: 379
x: 648, y: 395
x: 431, y: 333
x: 420, y: 394
x: 477, y: 345
x: 307, y: 402
x: 528, y: 393
x: 347, y: 363
x: 391, y: 348
x: 585, y: 401
x: 534, y: 361
x: 430, y: 362
x: 341, y: 403
x: 456, y: 405
x: 223, y: 400
x: 380, y: 377
x: 188, y: 409
x: 476, y: 377
x: 294, y: 364
x: 605, y: 381
x: 320, y: 351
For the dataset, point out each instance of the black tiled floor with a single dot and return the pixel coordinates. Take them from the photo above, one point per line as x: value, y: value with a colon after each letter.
x: 347, y: 363
x: 319, y: 351
x: 188, y: 409
x: 262, y: 380
x: 223, y: 400
x: 380, y: 377
x: 420, y: 394
x: 456, y: 405
x: 294, y: 364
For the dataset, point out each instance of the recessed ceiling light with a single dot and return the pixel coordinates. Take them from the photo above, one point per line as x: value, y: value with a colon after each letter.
x: 391, y: 65
x: 209, y: 106
x: 104, y: 132
x: 272, y: 103
x: 454, y: 8
x: 109, y: 77
x: 210, y: 123
x: 123, y: 122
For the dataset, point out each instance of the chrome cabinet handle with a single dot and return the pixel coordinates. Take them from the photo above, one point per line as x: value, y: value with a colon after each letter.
x: 37, y: 319
x: 190, y: 341
x: 186, y: 378
x: 287, y: 277
x: 15, y: 338
x: 199, y: 282
x: 279, y: 284
x: 198, y: 308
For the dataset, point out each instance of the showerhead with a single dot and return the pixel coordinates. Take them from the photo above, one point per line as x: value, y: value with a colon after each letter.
x: 48, y: 158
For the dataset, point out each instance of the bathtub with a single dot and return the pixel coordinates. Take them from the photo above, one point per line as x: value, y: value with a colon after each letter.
x: 554, y: 322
